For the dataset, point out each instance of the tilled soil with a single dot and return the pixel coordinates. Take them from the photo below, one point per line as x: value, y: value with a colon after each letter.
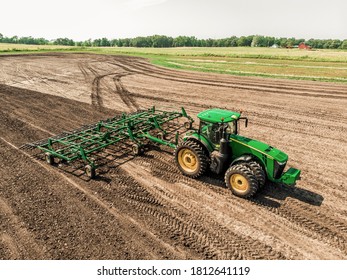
x: 142, y: 207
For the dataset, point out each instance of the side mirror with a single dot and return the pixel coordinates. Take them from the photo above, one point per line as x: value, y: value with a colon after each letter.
x: 246, y: 120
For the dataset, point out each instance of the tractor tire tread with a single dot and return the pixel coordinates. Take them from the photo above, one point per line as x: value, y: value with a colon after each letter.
x: 258, y: 171
x: 247, y: 172
x: 200, y: 153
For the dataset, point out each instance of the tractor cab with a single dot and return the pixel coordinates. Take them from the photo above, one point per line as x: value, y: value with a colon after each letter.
x: 216, y: 124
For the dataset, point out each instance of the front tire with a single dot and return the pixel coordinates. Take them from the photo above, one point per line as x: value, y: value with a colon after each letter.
x: 241, y: 180
x: 191, y: 159
x: 258, y: 171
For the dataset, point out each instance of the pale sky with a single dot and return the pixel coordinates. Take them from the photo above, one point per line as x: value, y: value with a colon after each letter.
x: 84, y: 19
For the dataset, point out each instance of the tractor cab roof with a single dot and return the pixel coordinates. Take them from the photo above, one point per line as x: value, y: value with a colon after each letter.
x: 216, y: 115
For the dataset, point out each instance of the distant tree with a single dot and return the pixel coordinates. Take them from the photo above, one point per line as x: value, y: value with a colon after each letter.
x: 202, y: 43
x: 335, y: 44
x: 209, y: 42
x: 242, y: 41
x: 14, y: 39
x: 87, y: 43
x: 283, y: 42
x: 290, y: 42
x: 298, y: 41
x: 96, y: 43
x: 104, y: 42
x: 161, y: 41
x: 232, y: 42
x: 126, y: 42
x: 326, y: 44
x: 245, y: 41
x: 64, y: 42
x: 256, y: 41
x: 114, y: 42
x: 311, y: 42
x: 268, y: 41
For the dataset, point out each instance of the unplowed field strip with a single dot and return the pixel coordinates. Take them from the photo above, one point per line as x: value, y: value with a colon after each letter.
x: 142, y: 207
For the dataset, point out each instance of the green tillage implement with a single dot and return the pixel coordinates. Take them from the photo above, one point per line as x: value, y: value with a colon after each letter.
x: 135, y: 127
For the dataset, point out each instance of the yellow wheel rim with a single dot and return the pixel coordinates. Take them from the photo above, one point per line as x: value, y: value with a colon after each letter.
x: 187, y: 160
x: 239, y: 183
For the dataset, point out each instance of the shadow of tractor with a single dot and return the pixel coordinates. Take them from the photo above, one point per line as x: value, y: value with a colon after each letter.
x: 271, y: 195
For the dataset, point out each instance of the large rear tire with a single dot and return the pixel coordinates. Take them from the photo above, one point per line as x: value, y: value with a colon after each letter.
x: 241, y: 180
x: 191, y: 159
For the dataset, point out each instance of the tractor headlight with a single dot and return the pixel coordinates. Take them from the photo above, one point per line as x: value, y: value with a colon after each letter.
x: 278, y: 168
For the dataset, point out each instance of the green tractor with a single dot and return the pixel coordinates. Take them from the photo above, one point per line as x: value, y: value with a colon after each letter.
x: 215, y: 145
x: 245, y: 163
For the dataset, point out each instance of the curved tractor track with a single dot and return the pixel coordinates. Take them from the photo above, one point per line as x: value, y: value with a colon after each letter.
x: 143, y: 207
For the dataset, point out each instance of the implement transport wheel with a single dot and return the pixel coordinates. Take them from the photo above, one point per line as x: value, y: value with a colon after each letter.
x: 187, y: 125
x: 49, y: 158
x: 241, y: 180
x: 90, y: 171
x: 136, y: 150
x: 191, y: 159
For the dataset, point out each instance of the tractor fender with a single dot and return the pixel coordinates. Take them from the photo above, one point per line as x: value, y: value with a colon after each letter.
x: 205, y: 144
x: 243, y: 158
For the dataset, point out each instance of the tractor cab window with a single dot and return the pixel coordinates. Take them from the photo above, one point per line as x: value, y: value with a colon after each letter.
x: 214, y: 131
x: 207, y: 129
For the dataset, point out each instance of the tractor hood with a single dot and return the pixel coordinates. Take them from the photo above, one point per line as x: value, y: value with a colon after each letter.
x: 261, y: 147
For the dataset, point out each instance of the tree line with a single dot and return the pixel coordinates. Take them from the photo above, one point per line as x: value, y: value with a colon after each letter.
x: 162, y: 41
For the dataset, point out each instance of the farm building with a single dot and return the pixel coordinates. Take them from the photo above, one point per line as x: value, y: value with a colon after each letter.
x: 303, y: 46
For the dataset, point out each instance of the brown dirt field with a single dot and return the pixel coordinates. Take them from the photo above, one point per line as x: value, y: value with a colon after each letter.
x: 142, y: 207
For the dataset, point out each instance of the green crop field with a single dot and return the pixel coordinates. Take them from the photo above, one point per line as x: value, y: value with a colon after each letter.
x: 319, y: 65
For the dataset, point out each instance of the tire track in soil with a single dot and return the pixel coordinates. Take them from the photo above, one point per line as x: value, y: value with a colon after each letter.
x: 8, y: 247
x: 96, y: 97
x: 299, y: 214
x: 213, y: 237
x: 17, y: 236
x: 154, y: 204
x: 152, y: 209
x: 127, y: 220
x: 97, y: 100
x: 124, y: 94
x: 230, y: 79
x: 180, y: 97
x: 296, y: 213
x: 261, y: 88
